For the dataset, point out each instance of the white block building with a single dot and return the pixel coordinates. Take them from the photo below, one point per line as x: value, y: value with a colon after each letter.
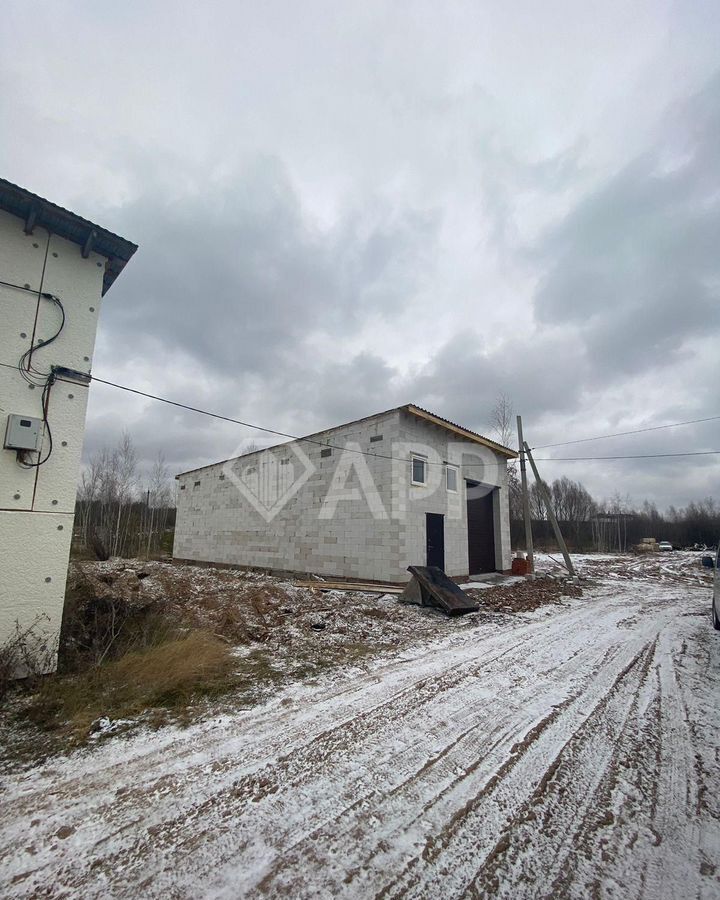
x: 54, y: 265
x: 364, y: 500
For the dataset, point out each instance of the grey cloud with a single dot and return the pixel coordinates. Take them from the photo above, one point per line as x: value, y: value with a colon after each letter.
x: 340, y: 392
x: 238, y: 275
x: 329, y: 211
x: 635, y: 266
x: 464, y: 378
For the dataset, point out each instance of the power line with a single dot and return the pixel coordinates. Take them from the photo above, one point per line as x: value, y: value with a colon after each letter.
x: 293, y: 437
x: 602, y: 437
x: 315, y: 441
x: 635, y: 456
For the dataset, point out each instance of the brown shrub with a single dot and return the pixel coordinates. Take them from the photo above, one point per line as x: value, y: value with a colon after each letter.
x: 27, y: 654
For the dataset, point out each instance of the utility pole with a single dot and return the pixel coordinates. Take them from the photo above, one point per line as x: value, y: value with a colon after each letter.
x: 526, y: 500
x: 551, y: 513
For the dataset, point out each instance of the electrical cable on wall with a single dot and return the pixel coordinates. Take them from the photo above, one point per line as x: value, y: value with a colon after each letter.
x: 25, y: 366
x: 27, y: 370
x: 36, y: 378
x: 47, y: 430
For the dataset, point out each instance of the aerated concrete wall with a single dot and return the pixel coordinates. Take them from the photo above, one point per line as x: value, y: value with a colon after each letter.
x: 334, y: 511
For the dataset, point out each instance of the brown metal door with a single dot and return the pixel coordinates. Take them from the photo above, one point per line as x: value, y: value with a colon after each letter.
x: 481, y: 529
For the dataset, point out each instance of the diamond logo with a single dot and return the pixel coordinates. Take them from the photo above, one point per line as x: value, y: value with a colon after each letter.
x: 269, y: 479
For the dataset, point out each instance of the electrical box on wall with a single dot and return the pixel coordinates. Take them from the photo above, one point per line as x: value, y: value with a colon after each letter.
x: 23, y: 433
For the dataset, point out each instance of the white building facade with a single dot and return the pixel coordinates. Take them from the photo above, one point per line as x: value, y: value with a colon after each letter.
x: 364, y: 501
x: 55, y: 268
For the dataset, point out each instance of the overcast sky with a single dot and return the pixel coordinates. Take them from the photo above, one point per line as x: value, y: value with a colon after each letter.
x: 342, y: 207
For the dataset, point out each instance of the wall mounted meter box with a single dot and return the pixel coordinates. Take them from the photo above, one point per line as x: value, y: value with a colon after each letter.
x: 23, y: 433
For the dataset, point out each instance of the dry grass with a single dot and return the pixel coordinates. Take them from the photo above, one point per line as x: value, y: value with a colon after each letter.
x: 171, y: 676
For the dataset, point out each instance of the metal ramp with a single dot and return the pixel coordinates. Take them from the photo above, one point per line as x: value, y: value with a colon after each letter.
x: 430, y: 586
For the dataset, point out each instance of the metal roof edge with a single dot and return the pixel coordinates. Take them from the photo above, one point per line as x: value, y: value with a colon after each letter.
x: 37, y: 211
x: 428, y: 416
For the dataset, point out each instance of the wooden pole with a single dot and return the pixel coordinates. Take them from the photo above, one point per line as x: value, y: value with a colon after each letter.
x: 551, y: 514
x: 526, y: 500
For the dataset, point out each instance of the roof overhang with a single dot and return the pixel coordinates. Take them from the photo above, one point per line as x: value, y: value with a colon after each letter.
x: 459, y: 430
x: 36, y: 212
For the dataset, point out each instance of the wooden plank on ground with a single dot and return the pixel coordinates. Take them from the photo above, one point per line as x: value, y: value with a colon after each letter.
x: 351, y: 586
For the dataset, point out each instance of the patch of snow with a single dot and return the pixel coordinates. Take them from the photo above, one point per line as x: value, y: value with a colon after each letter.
x: 425, y: 773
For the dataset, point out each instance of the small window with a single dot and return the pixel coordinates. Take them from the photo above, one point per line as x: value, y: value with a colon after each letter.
x: 326, y: 451
x: 197, y: 484
x: 284, y: 462
x: 182, y: 487
x: 451, y: 478
x: 250, y: 470
x: 419, y: 470
x: 375, y: 438
x: 222, y: 478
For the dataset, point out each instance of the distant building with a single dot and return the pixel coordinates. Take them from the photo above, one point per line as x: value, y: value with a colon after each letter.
x: 362, y: 500
x: 55, y: 268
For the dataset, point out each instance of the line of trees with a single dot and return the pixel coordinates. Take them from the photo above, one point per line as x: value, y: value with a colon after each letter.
x: 615, y: 524
x: 589, y: 524
x: 120, y: 512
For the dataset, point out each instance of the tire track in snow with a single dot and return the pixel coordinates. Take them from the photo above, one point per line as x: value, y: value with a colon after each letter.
x: 291, y: 865
x: 405, y: 804
x: 571, y: 804
x: 167, y: 820
x: 674, y: 819
x: 301, y: 768
x: 165, y: 823
x: 352, y: 785
x: 449, y: 859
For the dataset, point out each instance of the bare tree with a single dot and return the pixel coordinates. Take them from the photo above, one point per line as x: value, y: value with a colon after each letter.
x: 251, y: 447
x: 105, y: 498
x: 87, y: 495
x: 125, y: 467
x: 159, y: 496
x: 572, y: 503
x: 502, y: 426
x: 537, y: 503
x: 502, y: 420
x: 119, y: 512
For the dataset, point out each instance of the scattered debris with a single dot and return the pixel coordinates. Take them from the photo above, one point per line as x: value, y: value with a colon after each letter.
x: 525, y: 596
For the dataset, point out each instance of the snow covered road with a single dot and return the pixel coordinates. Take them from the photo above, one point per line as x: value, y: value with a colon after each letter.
x: 572, y: 753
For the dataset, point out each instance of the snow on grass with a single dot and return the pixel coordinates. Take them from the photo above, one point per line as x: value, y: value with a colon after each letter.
x: 572, y: 750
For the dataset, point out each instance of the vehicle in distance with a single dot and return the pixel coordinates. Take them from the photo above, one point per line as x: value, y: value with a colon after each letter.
x: 665, y: 545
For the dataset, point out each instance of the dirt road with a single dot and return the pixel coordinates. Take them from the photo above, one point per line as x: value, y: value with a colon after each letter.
x: 571, y: 752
